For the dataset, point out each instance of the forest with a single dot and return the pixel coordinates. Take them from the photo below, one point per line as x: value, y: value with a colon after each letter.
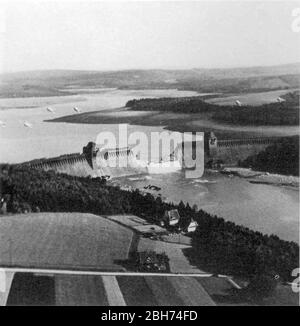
x: 194, y: 104
x: 217, y: 245
x: 281, y: 158
x: 277, y: 114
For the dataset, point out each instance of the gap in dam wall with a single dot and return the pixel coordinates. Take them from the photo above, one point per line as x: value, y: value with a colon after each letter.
x: 232, y: 155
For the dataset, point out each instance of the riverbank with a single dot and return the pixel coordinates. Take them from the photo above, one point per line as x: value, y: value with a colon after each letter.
x: 260, y: 177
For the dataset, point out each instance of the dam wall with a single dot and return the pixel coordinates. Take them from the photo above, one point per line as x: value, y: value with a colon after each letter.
x: 232, y: 151
x: 73, y: 164
x: 112, y: 163
x: 118, y: 162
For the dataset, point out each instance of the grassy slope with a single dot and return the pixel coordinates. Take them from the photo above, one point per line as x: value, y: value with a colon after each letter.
x: 60, y: 240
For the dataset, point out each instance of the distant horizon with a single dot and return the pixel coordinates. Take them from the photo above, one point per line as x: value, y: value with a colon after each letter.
x: 154, y: 68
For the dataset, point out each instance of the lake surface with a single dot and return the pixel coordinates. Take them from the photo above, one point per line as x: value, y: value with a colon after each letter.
x: 269, y: 209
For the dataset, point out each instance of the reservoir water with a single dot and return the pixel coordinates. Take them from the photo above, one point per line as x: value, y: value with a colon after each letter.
x: 269, y: 209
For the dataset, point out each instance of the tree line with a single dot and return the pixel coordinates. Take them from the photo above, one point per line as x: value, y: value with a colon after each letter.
x: 194, y: 104
x: 281, y: 158
x: 267, y: 114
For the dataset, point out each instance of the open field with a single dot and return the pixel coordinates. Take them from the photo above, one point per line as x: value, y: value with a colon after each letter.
x: 63, y: 240
x: 257, y: 98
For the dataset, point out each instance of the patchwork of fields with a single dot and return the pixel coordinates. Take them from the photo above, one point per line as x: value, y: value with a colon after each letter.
x: 95, y: 290
x: 98, y: 290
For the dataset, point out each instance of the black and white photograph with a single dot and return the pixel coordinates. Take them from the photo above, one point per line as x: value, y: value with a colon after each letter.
x: 149, y: 156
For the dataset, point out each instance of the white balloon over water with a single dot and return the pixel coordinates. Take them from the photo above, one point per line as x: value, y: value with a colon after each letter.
x: 238, y: 103
x: 27, y: 124
x: 50, y: 109
x: 76, y: 109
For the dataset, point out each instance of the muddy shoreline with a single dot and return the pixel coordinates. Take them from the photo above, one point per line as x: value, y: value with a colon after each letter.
x: 259, y: 177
